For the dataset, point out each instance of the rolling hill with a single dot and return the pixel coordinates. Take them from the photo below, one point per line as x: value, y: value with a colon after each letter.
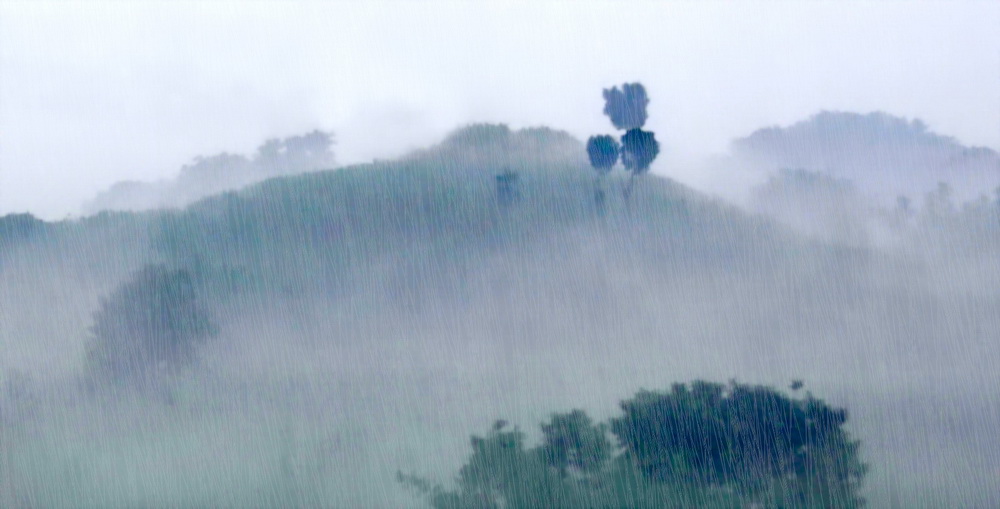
x: 372, y: 316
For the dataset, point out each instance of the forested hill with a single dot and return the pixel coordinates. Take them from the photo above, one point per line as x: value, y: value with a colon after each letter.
x: 440, y: 208
x: 444, y: 209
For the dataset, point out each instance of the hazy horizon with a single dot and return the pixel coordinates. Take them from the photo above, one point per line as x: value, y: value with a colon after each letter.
x: 94, y: 93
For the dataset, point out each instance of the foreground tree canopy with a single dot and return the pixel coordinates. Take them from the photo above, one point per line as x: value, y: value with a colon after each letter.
x: 697, y: 445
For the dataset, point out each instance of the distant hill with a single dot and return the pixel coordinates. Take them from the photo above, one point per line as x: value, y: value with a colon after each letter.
x: 882, y: 154
x: 206, y: 176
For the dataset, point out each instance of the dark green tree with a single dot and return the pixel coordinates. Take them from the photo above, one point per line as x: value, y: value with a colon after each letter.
x: 152, y: 323
x: 501, y: 473
x: 751, y: 438
x: 626, y: 107
x: 603, y: 152
x: 572, y: 443
x: 639, y: 149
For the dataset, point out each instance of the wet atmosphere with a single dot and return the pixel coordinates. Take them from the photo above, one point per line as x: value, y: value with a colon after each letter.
x: 499, y: 254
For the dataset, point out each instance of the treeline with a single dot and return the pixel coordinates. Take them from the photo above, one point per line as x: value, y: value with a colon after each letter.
x: 697, y: 445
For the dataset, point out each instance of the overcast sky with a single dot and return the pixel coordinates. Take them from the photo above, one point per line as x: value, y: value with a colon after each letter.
x: 92, y: 93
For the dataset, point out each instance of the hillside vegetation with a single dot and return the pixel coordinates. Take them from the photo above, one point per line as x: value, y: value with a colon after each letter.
x: 366, y: 319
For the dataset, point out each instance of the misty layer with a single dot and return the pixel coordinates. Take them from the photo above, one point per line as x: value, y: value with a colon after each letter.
x: 206, y: 176
x: 369, y: 319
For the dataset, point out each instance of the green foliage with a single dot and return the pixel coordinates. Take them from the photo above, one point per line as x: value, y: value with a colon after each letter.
x: 573, y: 443
x: 752, y: 438
x: 501, y: 473
x: 626, y: 108
x: 152, y: 322
x: 501, y: 469
x: 603, y: 152
x: 703, y: 445
x: 639, y: 148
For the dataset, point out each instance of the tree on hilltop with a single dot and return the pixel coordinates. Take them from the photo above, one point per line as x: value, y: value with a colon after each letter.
x: 626, y: 108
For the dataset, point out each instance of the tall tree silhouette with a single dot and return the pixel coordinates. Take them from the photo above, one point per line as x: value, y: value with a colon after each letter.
x: 626, y: 108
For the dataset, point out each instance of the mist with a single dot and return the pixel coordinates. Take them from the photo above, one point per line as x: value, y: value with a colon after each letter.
x: 98, y: 93
x: 377, y: 342
x: 326, y: 263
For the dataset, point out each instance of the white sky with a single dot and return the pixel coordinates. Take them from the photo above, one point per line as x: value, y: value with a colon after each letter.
x: 96, y: 92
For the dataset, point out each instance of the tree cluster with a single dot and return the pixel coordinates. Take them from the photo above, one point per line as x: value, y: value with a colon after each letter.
x: 626, y: 108
x: 697, y: 445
